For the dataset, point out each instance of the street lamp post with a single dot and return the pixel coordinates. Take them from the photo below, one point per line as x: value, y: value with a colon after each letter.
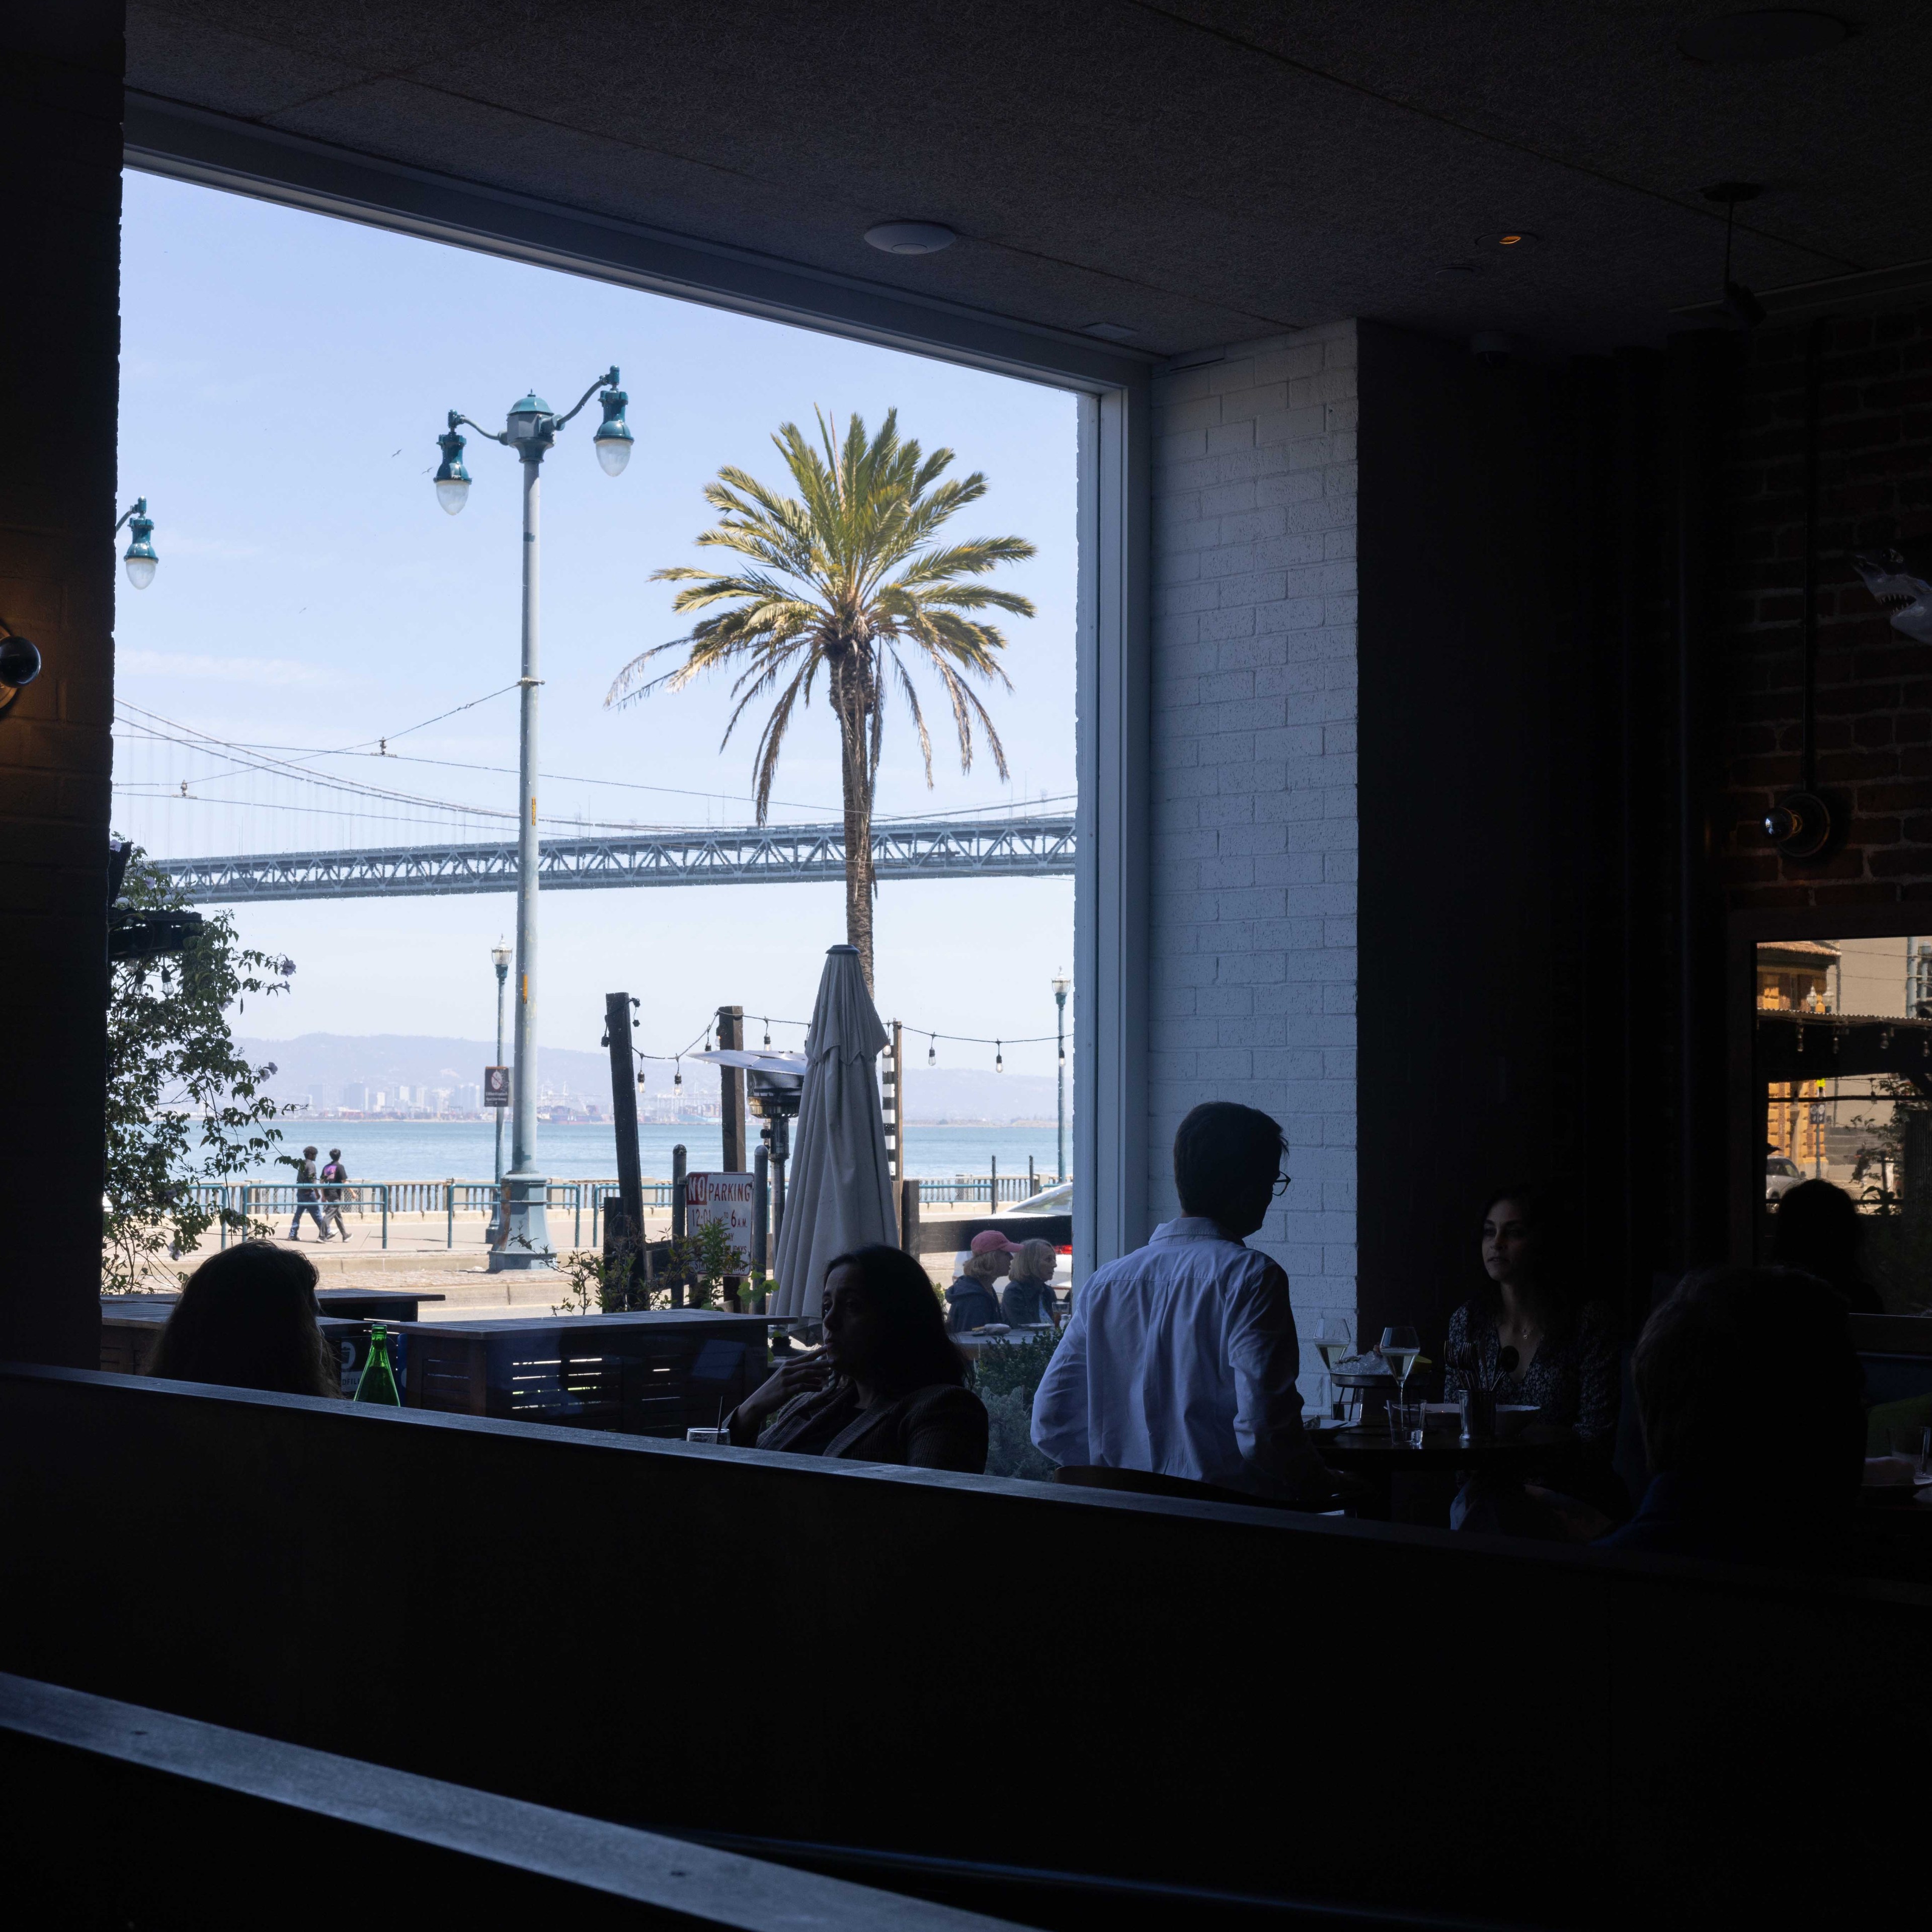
x: 1061, y: 985
x: 530, y: 429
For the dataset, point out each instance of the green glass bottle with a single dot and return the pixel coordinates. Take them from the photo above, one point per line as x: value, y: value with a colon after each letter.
x: 377, y: 1381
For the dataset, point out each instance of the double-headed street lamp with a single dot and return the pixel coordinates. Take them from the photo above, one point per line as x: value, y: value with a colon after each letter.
x: 531, y: 429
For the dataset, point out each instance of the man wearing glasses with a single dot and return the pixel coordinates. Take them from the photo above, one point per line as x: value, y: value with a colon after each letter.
x: 1181, y: 1358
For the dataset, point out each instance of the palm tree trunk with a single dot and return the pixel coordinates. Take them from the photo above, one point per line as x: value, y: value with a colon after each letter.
x: 849, y: 697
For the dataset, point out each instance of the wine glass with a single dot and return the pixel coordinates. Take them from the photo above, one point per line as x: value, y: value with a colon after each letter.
x: 1331, y: 1344
x: 1398, y: 1349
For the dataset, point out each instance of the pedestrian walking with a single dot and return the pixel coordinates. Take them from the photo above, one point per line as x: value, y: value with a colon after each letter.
x: 308, y: 1196
x: 334, y: 1175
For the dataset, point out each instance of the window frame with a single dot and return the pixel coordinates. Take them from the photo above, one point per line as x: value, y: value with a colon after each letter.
x: 1112, y: 678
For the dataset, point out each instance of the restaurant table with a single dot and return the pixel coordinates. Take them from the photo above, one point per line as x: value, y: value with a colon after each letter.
x: 1541, y: 1450
x: 975, y: 1339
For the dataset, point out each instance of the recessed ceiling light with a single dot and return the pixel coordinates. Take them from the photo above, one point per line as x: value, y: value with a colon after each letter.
x: 1110, y: 331
x: 910, y: 238
x: 1755, y: 39
x: 1510, y: 237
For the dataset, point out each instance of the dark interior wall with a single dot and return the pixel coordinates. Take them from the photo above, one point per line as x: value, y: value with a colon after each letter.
x: 1462, y: 977
x: 781, y: 1647
x: 1544, y: 553
x: 60, y: 136
x: 1873, y: 377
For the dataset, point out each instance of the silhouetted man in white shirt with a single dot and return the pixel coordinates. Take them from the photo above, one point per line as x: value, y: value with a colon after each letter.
x: 1181, y: 1358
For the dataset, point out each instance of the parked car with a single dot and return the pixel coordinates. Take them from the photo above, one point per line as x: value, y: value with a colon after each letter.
x: 1781, y: 1175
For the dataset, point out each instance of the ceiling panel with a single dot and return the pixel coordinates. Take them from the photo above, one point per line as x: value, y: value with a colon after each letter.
x: 1199, y: 171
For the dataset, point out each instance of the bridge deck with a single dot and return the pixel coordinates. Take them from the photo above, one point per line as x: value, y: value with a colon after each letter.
x: 1028, y: 847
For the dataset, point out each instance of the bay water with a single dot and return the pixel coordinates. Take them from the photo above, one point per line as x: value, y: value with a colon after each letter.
x: 466, y: 1149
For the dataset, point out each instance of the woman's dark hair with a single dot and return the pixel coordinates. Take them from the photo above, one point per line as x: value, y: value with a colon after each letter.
x: 914, y: 1350
x: 1552, y: 1296
x: 247, y: 1318
x: 1222, y: 1153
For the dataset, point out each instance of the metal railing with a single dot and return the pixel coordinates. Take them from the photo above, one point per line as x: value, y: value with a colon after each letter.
x: 993, y: 1189
x: 269, y: 1200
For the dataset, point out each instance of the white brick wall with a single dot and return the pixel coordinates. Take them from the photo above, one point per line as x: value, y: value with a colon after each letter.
x: 1254, y: 836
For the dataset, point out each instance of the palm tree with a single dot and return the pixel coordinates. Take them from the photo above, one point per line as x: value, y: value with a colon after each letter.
x: 847, y: 578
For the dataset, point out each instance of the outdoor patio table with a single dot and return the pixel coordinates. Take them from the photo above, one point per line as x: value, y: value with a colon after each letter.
x: 972, y: 1342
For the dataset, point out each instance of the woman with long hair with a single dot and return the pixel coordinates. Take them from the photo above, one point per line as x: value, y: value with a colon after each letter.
x: 887, y: 1386
x: 1566, y: 1360
x: 247, y: 1318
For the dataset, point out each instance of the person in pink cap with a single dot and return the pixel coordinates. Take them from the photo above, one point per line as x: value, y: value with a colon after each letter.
x: 970, y: 1302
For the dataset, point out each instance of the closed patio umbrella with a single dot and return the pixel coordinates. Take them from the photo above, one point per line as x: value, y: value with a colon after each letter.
x: 841, y: 1195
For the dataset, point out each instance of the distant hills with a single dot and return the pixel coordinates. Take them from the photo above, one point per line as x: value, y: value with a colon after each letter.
x: 317, y: 1067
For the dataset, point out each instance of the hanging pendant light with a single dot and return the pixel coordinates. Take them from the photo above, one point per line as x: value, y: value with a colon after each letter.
x: 999, y: 1058
x: 452, y: 479
x: 614, y: 439
x: 932, y: 1050
x: 768, y: 1032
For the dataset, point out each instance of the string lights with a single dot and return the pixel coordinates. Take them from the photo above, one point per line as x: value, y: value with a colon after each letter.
x: 997, y: 1043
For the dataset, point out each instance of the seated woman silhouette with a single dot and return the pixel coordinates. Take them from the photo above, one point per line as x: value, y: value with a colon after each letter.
x: 247, y: 1318
x: 887, y: 1386
x: 1818, y: 1231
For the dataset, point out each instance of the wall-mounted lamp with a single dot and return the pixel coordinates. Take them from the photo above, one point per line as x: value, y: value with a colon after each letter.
x: 1799, y: 825
x: 20, y: 663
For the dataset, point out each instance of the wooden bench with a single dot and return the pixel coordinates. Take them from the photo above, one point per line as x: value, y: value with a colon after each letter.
x: 119, y: 1814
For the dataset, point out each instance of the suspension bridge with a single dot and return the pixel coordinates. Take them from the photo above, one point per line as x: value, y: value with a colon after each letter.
x: 248, y: 821
x: 1034, y: 846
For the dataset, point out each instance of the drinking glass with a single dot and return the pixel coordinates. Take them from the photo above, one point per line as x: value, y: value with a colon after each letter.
x: 1398, y: 1349
x: 1331, y: 1344
x: 1913, y: 1445
x: 1405, y: 1420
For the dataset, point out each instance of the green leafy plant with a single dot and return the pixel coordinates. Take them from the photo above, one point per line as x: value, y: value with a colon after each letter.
x: 595, y: 1284
x: 849, y: 578
x: 183, y: 1106
x: 703, y: 1260
x: 1005, y: 1377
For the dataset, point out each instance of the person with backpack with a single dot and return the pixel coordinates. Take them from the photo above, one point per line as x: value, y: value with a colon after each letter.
x: 333, y: 1175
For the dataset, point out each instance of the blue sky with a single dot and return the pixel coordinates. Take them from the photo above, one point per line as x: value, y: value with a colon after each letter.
x: 283, y: 379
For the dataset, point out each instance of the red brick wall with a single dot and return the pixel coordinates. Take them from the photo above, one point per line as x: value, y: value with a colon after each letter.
x: 1874, y: 686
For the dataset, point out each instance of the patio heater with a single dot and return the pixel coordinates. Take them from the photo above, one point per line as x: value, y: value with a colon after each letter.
x: 774, y: 1097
